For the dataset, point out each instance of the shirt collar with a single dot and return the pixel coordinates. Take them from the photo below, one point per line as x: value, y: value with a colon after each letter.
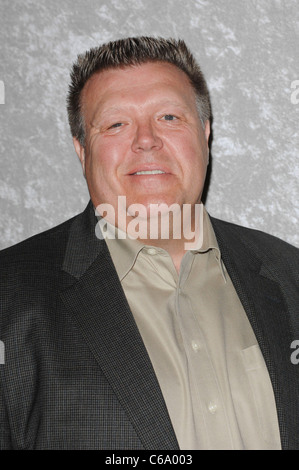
x: 210, y: 243
x: 124, y: 250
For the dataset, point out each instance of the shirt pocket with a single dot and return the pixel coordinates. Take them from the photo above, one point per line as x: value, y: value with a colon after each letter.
x: 262, y: 392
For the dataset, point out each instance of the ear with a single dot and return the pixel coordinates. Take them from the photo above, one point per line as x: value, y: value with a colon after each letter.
x: 80, y: 152
x: 207, y: 131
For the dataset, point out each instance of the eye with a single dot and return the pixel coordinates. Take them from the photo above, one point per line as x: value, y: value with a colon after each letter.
x: 169, y: 117
x: 114, y: 126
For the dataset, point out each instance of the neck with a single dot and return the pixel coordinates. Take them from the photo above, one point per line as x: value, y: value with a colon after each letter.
x: 175, y: 232
x: 173, y: 238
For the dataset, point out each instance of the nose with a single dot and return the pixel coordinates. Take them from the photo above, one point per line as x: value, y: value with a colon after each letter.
x: 146, y: 138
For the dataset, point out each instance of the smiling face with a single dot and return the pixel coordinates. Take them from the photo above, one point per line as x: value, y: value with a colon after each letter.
x: 144, y: 138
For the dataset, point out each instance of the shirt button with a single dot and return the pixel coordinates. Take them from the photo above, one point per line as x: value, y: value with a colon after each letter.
x: 152, y: 251
x: 212, y: 408
x: 195, y: 346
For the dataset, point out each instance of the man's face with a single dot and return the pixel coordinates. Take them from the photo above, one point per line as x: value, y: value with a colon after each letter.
x: 144, y: 139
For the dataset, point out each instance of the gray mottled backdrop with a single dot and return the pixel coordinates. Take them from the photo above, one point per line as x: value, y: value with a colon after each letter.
x: 248, y: 50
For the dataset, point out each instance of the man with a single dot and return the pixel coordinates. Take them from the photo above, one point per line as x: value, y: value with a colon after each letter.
x: 141, y: 343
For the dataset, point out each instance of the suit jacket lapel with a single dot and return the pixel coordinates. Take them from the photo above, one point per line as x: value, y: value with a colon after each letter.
x: 97, y: 303
x: 270, y: 318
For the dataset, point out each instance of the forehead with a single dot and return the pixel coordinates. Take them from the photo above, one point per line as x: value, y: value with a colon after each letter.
x: 133, y: 81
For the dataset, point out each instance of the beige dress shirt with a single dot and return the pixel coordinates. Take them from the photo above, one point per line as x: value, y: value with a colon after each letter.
x: 204, y: 352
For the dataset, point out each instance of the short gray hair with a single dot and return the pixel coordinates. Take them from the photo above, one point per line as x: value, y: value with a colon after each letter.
x: 129, y: 52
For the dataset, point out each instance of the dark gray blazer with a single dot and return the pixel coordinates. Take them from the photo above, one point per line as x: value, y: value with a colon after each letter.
x: 76, y: 372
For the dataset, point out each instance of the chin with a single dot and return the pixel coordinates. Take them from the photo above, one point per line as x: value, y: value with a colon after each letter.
x: 156, y: 198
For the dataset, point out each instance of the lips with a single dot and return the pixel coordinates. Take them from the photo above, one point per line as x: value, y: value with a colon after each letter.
x: 149, y: 172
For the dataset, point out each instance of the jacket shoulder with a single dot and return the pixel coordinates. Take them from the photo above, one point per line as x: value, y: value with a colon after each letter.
x: 261, y: 244
x: 45, y: 247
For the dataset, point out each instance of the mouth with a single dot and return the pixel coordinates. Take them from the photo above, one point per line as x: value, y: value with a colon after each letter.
x: 149, y: 172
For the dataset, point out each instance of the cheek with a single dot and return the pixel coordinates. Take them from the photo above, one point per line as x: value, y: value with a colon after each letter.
x: 194, y: 170
x: 103, y: 158
x: 193, y: 157
x: 201, y: 153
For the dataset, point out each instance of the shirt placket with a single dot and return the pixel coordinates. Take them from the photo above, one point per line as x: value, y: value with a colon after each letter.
x: 208, y: 405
